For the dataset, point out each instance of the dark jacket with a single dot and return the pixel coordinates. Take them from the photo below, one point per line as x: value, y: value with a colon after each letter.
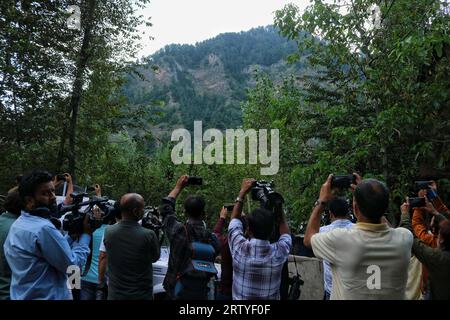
x: 180, y: 250
x: 131, y: 250
x: 226, y: 264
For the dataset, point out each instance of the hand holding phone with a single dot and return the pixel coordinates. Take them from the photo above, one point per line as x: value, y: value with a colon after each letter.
x: 195, y: 181
x: 343, y: 181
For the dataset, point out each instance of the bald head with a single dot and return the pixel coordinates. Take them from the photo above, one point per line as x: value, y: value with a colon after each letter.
x: 132, y: 206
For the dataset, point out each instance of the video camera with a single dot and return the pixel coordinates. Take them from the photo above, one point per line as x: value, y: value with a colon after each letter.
x: 263, y: 192
x: 151, y: 221
x: 73, y: 220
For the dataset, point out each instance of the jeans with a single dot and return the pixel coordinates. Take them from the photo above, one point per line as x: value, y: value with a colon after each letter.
x: 326, y: 295
x: 88, y: 290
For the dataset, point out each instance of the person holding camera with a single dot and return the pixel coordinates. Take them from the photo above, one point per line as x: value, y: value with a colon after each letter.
x: 102, y: 287
x: 131, y: 251
x: 38, y: 254
x: 436, y: 260
x: 369, y: 260
x: 433, y: 207
x: 425, y: 221
x: 179, y: 282
x: 89, y: 280
x: 257, y: 263
x: 339, y: 217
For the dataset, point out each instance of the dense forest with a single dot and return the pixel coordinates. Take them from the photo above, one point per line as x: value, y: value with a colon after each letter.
x: 206, y: 81
x: 346, y: 94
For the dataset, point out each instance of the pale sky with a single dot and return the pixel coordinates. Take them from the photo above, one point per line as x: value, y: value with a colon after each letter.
x: 191, y: 21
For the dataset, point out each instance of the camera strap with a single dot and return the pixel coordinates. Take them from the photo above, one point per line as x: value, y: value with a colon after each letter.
x: 295, y: 283
x: 295, y: 263
x: 87, y: 266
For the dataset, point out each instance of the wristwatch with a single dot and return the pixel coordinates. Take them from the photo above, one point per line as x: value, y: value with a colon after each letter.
x: 239, y: 199
x: 320, y: 202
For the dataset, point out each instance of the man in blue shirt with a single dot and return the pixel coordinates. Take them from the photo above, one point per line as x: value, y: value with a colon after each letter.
x: 37, y: 252
x: 339, y: 216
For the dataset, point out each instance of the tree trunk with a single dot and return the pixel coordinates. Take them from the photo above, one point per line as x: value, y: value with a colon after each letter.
x: 17, y: 115
x: 78, y: 84
x: 62, y: 144
x: 383, y: 151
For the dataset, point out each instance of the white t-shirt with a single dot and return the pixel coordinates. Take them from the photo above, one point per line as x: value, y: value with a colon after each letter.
x: 327, y: 277
x: 368, y: 261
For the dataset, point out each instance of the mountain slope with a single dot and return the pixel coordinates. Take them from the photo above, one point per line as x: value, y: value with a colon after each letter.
x: 206, y: 81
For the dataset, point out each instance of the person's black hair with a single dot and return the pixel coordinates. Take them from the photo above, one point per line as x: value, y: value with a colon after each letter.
x: 260, y: 223
x: 339, y: 207
x: 30, y: 183
x: 194, y: 206
x: 372, y: 199
x: 13, y: 203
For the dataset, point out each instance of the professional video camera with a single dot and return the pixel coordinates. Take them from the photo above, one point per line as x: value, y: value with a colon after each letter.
x: 73, y: 220
x: 263, y: 192
x: 151, y: 221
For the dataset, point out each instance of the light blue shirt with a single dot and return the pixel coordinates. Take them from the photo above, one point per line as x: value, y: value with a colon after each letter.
x: 97, y: 238
x: 327, y: 277
x: 39, y: 255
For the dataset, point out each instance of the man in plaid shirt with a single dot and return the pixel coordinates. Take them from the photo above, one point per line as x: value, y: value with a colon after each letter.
x: 257, y: 264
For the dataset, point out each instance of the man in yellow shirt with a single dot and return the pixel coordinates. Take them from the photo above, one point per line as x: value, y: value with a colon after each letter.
x: 370, y: 260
